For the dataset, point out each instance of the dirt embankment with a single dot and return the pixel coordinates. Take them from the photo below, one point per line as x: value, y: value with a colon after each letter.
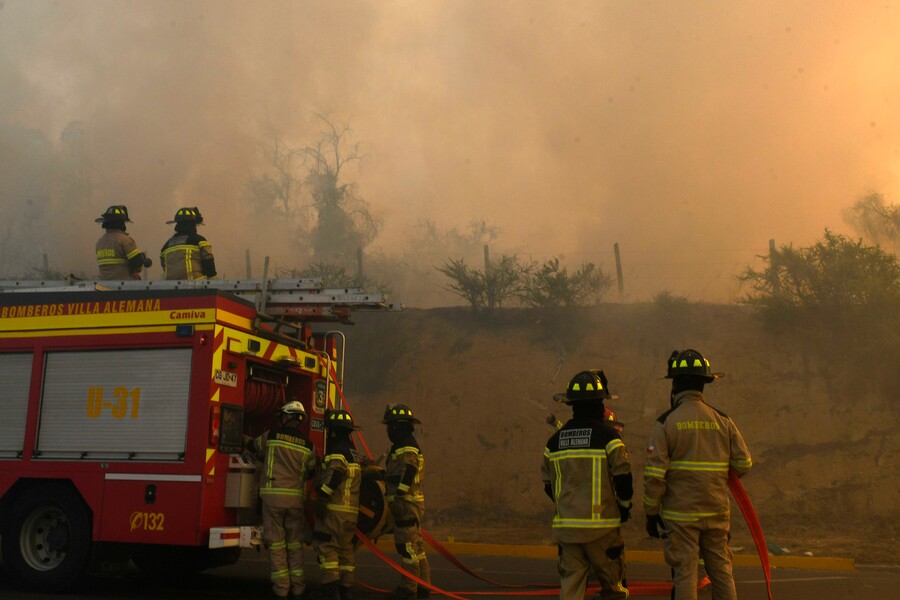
x: 826, y: 458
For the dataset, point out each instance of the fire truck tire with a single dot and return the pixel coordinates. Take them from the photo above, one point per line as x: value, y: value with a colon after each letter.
x: 47, y: 538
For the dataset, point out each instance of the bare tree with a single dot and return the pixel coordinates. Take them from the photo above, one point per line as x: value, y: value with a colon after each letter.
x: 873, y: 218
x: 343, y: 222
x: 276, y: 192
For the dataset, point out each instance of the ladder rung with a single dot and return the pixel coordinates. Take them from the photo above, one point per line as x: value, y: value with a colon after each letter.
x: 322, y: 298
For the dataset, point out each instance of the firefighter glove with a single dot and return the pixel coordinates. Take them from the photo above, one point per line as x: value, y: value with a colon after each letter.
x: 624, y: 511
x: 655, y: 526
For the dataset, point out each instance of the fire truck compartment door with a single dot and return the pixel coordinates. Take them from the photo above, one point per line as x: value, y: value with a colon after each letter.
x: 110, y: 404
x: 15, y: 373
x: 151, y: 508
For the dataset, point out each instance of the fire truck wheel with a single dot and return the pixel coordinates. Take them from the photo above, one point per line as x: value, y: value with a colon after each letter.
x: 47, y: 538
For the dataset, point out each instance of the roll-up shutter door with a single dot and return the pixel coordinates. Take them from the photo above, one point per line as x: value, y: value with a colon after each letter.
x: 115, y: 404
x: 15, y: 375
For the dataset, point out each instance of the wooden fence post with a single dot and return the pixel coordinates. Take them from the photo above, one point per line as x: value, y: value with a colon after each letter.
x: 619, y: 277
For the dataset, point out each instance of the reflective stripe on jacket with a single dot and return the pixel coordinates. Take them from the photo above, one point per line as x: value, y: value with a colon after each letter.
x: 114, y: 249
x: 289, y: 462
x: 181, y: 257
x: 692, y: 447
x: 340, y: 479
x: 580, y: 461
x: 403, y: 473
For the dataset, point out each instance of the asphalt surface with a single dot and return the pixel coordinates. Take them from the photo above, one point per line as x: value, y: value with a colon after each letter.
x: 248, y: 580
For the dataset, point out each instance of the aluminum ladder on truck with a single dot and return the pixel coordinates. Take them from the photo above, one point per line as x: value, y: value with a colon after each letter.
x: 289, y: 300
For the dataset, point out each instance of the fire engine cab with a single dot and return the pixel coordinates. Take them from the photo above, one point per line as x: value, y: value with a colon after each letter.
x: 125, y: 405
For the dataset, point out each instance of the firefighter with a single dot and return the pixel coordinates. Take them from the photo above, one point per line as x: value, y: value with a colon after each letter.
x: 118, y: 256
x: 587, y: 475
x: 404, y: 470
x: 692, y: 447
x: 289, y: 461
x: 337, y: 507
x: 187, y: 254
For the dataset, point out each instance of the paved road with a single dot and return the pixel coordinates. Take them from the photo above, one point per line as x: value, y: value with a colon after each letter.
x: 247, y: 580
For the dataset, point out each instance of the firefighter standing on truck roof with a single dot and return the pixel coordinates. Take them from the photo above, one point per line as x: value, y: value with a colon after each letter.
x: 187, y: 254
x: 692, y: 447
x: 587, y: 475
x: 118, y: 256
x: 337, y: 507
x: 404, y: 470
x: 289, y: 461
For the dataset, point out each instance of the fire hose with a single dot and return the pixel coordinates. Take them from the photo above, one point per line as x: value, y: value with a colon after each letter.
x: 743, y: 501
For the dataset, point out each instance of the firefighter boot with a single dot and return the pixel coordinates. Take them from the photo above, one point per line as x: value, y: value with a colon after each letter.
x: 407, y: 588
x: 425, y: 575
x: 346, y: 592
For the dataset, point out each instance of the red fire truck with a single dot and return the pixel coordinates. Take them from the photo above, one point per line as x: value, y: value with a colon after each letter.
x: 123, y: 412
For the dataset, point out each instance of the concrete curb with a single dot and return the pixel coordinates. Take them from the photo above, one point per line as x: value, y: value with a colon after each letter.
x: 653, y: 557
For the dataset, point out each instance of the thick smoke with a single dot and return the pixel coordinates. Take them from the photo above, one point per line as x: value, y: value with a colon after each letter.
x: 690, y: 134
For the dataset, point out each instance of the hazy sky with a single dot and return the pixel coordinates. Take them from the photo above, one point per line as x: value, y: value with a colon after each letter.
x: 688, y: 132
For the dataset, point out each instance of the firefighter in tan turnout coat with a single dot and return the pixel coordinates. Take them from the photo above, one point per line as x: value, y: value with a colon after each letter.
x: 404, y: 471
x: 587, y: 475
x: 692, y: 447
x: 288, y: 462
x: 187, y: 254
x: 337, y: 508
x: 118, y: 257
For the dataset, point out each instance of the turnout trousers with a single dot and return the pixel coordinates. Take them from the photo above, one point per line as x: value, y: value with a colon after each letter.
x: 333, y: 540
x: 283, y: 530
x: 705, y: 538
x: 410, y: 544
x: 604, y: 555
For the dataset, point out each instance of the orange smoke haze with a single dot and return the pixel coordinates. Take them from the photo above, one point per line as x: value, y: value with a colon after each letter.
x: 688, y: 132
